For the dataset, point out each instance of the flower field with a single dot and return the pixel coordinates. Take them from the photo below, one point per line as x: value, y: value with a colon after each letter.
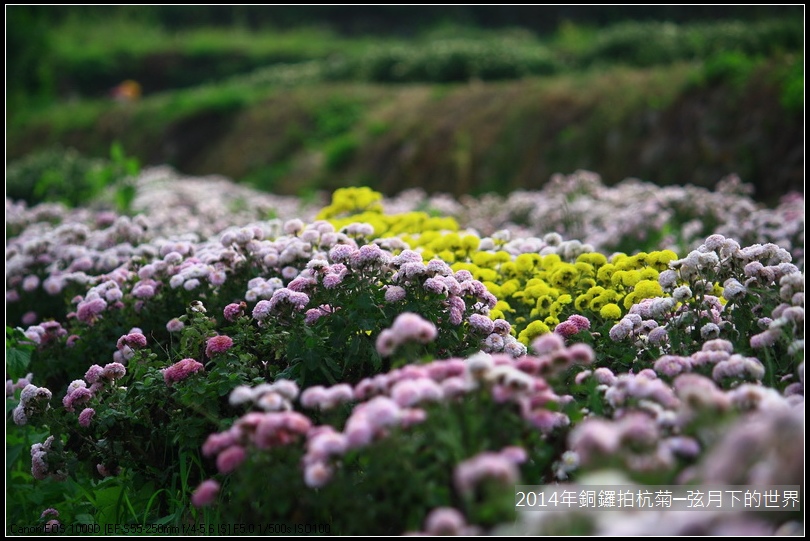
x: 225, y: 361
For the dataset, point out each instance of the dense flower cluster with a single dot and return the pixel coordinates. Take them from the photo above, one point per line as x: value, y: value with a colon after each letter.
x: 629, y: 330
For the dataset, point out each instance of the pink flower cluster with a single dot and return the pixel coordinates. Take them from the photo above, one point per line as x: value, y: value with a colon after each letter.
x: 21, y: 383
x: 448, y: 521
x: 217, y: 344
x: 500, y: 340
x: 554, y: 357
x: 45, y: 333
x: 205, y: 493
x: 574, y: 324
x: 716, y: 356
x: 234, y: 311
x: 314, y: 314
x: 387, y: 401
x: 407, y: 327
x: 181, y: 370
x: 501, y: 467
x: 33, y: 400
x: 462, y: 292
x: 369, y: 421
x: 322, y: 398
x: 284, y: 296
x: 86, y: 417
x: 41, y: 467
x: 260, y: 430
x: 128, y: 343
x: 277, y: 396
x: 650, y: 415
x: 89, y: 310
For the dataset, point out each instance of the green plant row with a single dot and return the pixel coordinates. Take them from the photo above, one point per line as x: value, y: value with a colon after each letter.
x: 89, y: 59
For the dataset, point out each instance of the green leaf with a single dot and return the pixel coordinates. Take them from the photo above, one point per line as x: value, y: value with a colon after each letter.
x: 12, y: 454
x: 17, y: 361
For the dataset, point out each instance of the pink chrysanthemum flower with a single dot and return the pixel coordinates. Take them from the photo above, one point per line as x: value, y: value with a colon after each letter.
x: 79, y: 396
x: 341, y: 252
x: 218, y: 344
x: 262, y: 310
x: 50, y: 512
x: 133, y: 340
x: 205, y: 494
x: 175, y: 325
x: 181, y: 370
x: 444, y: 521
x: 481, y: 324
x: 113, y: 371
x: 566, y: 329
x: 489, y: 465
x: 317, y: 474
x: 231, y: 458
x: 86, y: 416
x: 88, y: 311
x: 233, y: 311
x: 582, y: 322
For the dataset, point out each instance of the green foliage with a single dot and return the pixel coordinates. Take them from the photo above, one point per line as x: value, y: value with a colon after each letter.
x: 652, y: 43
x: 18, y: 353
x: 148, y: 430
x: 335, y: 117
x: 731, y: 67
x: 340, y: 151
x: 66, y: 176
x: 792, y: 96
x: 30, y: 64
x: 456, y: 60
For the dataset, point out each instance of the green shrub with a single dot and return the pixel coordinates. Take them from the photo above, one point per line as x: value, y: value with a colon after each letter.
x: 651, y: 43
x: 66, y: 176
x: 340, y: 151
x: 792, y: 97
x: 452, y: 60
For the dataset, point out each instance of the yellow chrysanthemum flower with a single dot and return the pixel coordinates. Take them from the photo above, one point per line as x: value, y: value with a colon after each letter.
x: 564, y: 275
x: 585, y: 269
x: 482, y: 259
x: 593, y: 258
x: 509, y: 287
x: 660, y: 260
x: 470, y: 242
x: 525, y: 262
x: 648, y: 289
x: 611, y: 311
x: 648, y: 273
x: 504, y: 307
x: 605, y: 273
x: 532, y: 331
x: 581, y: 302
x: 630, y: 299
x: 550, y: 261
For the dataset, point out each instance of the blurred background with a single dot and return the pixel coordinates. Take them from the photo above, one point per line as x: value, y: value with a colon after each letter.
x: 457, y: 99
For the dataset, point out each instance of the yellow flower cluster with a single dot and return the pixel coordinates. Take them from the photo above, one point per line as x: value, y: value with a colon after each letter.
x: 362, y: 205
x: 352, y: 201
x: 407, y: 226
x: 449, y: 245
x: 535, y: 292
